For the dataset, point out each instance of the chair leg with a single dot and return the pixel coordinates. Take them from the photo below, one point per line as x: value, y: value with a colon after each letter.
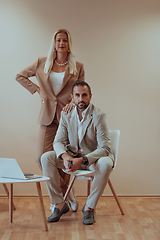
x: 69, y: 188
x: 115, y: 196
x: 7, y: 192
x: 88, y: 187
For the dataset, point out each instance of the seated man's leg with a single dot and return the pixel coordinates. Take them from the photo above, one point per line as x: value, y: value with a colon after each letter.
x: 103, y: 168
x: 50, y: 165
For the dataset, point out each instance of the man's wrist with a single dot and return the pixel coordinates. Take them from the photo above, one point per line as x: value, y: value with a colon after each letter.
x: 85, y: 160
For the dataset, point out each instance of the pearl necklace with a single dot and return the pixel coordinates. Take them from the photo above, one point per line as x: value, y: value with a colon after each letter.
x: 61, y: 64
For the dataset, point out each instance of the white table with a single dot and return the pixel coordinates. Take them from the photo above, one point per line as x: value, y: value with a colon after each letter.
x: 11, y: 205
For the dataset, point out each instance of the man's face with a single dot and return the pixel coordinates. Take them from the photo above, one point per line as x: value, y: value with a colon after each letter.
x: 81, y: 97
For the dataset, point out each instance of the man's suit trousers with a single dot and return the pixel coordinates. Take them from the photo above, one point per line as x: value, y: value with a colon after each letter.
x: 50, y: 166
x: 45, y: 143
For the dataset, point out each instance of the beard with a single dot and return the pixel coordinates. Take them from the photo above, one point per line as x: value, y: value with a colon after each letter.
x: 82, y: 105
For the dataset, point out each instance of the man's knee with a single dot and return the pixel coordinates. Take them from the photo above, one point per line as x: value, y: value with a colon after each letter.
x: 47, y: 158
x: 105, y: 164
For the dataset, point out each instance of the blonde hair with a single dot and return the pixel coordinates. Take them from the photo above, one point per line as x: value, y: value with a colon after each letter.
x: 52, y: 54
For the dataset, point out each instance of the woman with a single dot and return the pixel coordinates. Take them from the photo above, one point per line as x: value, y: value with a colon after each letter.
x: 55, y: 75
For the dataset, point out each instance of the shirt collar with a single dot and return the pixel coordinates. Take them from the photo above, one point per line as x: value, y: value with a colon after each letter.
x: 83, y: 113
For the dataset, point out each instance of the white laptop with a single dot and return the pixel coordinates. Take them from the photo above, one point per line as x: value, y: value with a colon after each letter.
x: 9, y: 168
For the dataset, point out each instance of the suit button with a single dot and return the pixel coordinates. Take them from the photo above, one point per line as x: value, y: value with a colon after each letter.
x: 56, y: 100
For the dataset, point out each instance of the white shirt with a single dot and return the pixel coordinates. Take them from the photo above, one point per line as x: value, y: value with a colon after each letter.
x: 80, y: 123
x: 56, y: 80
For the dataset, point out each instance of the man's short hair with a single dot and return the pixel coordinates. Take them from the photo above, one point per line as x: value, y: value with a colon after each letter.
x: 82, y: 83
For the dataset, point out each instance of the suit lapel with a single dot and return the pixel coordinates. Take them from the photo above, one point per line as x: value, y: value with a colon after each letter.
x: 74, y: 127
x: 66, y: 78
x: 86, y: 122
x: 48, y: 87
x: 49, y: 83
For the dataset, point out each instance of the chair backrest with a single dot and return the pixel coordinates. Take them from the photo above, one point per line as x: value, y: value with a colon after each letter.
x: 114, y: 136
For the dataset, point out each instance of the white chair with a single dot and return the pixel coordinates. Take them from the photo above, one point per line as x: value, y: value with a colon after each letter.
x: 84, y: 174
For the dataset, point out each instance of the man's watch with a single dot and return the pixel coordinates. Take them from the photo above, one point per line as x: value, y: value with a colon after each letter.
x: 85, y: 160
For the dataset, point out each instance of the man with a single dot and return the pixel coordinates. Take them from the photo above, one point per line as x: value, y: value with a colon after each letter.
x: 85, y: 129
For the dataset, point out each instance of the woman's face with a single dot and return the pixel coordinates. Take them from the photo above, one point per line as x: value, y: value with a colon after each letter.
x: 61, y: 42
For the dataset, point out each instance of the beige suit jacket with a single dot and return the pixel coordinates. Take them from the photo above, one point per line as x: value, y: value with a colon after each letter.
x: 51, y: 104
x: 95, y: 141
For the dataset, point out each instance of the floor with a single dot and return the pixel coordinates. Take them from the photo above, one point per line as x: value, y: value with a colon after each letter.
x: 140, y: 222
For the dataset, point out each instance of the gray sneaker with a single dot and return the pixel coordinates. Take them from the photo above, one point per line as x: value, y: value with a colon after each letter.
x: 52, y: 207
x: 72, y: 200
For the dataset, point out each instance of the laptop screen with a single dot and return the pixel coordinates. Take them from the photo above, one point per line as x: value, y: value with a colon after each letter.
x: 9, y: 168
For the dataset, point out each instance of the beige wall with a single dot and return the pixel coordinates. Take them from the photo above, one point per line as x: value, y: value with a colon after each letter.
x: 119, y: 44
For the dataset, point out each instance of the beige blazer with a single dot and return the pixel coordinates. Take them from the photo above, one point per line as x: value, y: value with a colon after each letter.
x: 94, y: 142
x: 51, y: 104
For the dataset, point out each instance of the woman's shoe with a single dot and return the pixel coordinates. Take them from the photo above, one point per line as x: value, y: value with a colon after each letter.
x: 72, y: 200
